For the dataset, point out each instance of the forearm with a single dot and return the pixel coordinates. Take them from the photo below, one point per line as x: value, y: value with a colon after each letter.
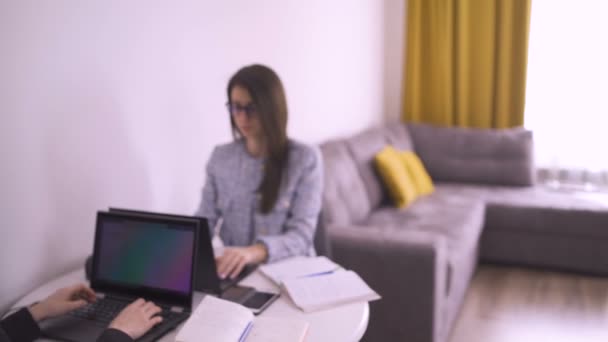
x: 259, y: 252
x: 114, y: 335
x: 21, y: 326
x: 37, y: 312
x: 296, y: 241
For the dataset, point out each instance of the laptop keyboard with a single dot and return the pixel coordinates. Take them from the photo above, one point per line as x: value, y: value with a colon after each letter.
x: 105, y: 310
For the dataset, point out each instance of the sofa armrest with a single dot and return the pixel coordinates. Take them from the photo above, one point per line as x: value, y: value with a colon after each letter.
x: 407, y: 268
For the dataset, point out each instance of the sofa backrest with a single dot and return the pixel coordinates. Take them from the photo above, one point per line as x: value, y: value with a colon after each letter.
x: 352, y: 186
x: 398, y: 135
x: 345, y: 199
x: 363, y: 147
x: 490, y: 156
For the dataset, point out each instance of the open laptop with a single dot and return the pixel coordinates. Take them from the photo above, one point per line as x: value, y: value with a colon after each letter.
x: 134, y: 257
x: 206, y: 278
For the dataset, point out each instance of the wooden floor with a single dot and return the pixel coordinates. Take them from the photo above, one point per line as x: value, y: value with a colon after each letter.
x: 506, y: 304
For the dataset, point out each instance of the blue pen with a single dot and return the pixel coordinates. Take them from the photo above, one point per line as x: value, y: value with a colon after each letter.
x: 320, y: 273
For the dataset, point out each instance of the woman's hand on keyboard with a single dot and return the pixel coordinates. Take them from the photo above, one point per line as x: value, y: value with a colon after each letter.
x: 234, y: 259
x: 137, y: 318
x: 62, y: 301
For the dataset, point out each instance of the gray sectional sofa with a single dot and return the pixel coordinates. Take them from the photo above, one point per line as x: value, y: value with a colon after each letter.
x: 486, y: 207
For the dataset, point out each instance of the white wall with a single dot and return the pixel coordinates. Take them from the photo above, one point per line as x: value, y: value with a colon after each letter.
x: 395, y: 12
x: 120, y: 102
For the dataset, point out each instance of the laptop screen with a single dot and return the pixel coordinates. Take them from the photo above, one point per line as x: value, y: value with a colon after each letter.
x: 149, y: 256
x: 205, y: 274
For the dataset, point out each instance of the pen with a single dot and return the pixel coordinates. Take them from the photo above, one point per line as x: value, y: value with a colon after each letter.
x: 320, y: 273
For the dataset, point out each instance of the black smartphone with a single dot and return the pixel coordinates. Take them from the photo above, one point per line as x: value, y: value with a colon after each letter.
x: 259, y: 301
x: 238, y: 294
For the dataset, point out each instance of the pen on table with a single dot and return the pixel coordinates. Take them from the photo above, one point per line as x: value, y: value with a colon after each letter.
x: 320, y: 273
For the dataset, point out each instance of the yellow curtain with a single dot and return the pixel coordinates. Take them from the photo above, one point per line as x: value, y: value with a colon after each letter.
x: 466, y: 62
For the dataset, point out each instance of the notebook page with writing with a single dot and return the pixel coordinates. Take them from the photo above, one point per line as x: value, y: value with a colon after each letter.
x: 330, y: 290
x: 216, y: 320
x: 297, y: 267
x: 270, y: 329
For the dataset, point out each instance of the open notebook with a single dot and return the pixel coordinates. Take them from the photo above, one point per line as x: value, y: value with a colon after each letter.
x: 328, y: 290
x: 219, y: 320
x: 296, y: 267
x: 318, y: 283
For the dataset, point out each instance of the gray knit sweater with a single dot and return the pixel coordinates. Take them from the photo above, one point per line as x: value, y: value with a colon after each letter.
x: 230, y: 192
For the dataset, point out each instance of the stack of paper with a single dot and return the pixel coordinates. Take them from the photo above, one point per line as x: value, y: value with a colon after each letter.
x: 219, y: 320
x: 298, y: 267
x: 328, y: 290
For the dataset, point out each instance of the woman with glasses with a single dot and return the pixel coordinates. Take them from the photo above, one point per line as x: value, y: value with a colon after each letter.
x: 263, y: 188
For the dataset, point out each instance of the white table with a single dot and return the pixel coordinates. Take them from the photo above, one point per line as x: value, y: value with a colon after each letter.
x: 344, y: 323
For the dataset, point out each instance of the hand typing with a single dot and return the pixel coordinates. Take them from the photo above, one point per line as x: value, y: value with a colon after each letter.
x: 234, y: 259
x: 62, y: 301
x: 137, y: 318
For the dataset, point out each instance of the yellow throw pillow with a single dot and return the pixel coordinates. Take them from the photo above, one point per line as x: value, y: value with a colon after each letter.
x: 418, y: 173
x: 395, y: 176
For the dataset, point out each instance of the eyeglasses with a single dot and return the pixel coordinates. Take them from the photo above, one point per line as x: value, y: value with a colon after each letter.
x: 235, y: 108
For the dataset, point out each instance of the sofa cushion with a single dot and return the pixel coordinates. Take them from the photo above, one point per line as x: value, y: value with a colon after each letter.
x: 395, y: 176
x: 416, y: 170
x: 458, y: 218
x: 503, y: 157
x: 345, y: 198
x: 538, y: 209
x: 363, y: 147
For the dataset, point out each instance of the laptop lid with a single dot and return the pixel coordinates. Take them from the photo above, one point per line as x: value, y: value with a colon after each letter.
x: 149, y: 257
x: 205, y: 270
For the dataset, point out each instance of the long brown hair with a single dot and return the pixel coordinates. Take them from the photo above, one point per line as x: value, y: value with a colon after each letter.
x: 268, y: 95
